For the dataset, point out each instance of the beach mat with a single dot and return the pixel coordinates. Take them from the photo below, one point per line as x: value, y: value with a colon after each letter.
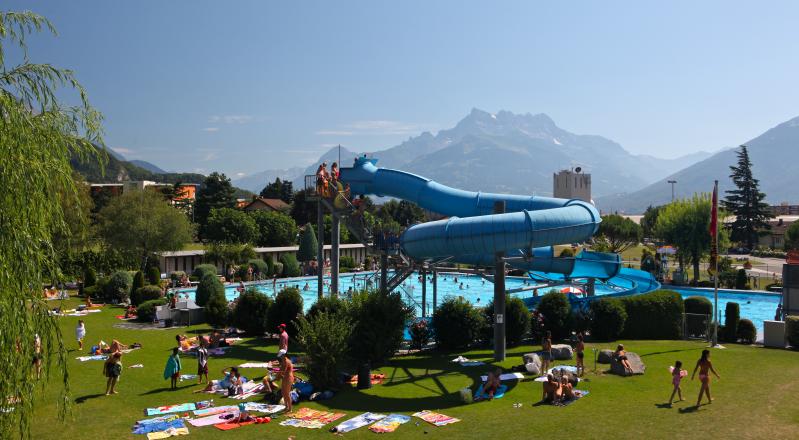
x: 389, y: 424
x: 167, y: 409
x: 578, y: 394
x: 227, y: 426
x: 435, y: 418
x: 358, y: 422
x: 498, y: 394
x: 506, y: 376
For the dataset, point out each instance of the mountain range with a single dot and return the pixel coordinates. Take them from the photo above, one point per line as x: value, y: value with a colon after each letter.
x: 515, y: 153
x: 774, y: 155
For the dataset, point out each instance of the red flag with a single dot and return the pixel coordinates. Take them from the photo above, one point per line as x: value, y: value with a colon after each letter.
x: 714, y: 226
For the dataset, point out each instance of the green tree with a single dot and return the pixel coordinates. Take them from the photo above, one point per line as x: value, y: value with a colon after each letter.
x: 217, y: 312
x: 686, y: 224
x: 230, y: 253
x: 139, y: 223
x: 216, y: 192
x: 75, y: 238
x: 275, y: 228
x: 619, y: 233
x: 279, y: 189
x: 303, y: 210
x: 746, y: 204
x: 649, y: 220
x: 325, y: 338
x: 38, y: 135
x: 308, y: 245
x: 403, y: 212
x: 209, y: 285
x: 792, y: 236
x: 138, y: 281
x: 227, y: 225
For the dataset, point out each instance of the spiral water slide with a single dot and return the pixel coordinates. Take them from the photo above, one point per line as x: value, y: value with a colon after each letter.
x: 473, y: 233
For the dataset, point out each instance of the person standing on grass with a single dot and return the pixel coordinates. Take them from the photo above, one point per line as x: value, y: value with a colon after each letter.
x: 705, y: 367
x: 677, y: 373
x: 202, y: 361
x: 546, y: 348
x: 283, y: 340
x: 172, y: 369
x: 286, y: 378
x: 580, y: 350
x: 112, y: 369
x: 80, y: 333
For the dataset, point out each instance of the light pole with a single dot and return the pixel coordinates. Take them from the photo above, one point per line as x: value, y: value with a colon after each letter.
x: 672, y: 182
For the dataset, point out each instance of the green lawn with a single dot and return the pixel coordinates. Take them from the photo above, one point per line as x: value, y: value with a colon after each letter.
x: 755, y: 398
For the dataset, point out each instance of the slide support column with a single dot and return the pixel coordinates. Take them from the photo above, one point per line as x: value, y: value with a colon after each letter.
x: 435, y: 289
x: 423, y: 273
x: 320, y: 249
x: 384, y: 273
x: 499, y: 296
x: 335, y: 238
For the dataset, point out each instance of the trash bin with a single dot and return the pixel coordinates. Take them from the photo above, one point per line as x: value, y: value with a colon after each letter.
x: 364, y: 377
x: 168, y: 322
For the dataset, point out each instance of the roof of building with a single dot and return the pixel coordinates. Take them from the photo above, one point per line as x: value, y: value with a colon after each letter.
x: 258, y: 250
x: 276, y: 204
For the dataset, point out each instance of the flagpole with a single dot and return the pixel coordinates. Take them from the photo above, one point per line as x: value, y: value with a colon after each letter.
x: 716, y: 268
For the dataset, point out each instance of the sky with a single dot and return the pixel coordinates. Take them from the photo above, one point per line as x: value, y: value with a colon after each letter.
x: 245, y: 86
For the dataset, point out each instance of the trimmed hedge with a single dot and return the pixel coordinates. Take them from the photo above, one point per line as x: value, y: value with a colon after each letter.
x: 217, y: 312
x: 146, y: 310
x: 144, y: 294
x: 138, y: 283
x: 203, y: 269
x: 260, y: 267
x: 792, y: 331
x: 517, y: 321
x: 332, y: 305
x: 252, y: 308
x: 608, y: 319
x: 154, y: 275
x: 654, y: 315
x: 285, y: 310
x: 209, y: 285
x: 117, y: 288
x: 699, y: 305
x: 346, y: 263
x: 747, y: 333
x: 732, y: 317
x: 378, y: 326
x: 456, y: 324
x: 291, y: 267
x: 556, y: 310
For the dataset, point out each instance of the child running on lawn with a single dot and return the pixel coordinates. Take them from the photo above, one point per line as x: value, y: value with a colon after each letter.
x: 202, y: 361
x: 112, y: 369
x: 80, y: 333
x: 172, y: 369
x: 677, y: 373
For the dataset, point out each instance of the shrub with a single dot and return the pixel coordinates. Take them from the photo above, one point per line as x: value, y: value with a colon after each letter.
x: 747, y: 333
x: 145, y: 312
x: 217, y: 312
x: 699, y: 305
x: 324, y: 337
x: 250, y: 313
x: 420, y: 333
x: 654, y: 315
x: 291, y: 267
x: 93, y: 291
x: 117, y: 288
x: 270, y: 264
x: 556, y: 311
x: 259, y: 266
x: 517, y: 321
x: 203, y: 269
x: 741, y: 280
x: 144, y: 294
x: 346, y: 263
x: 89, y: 277
x: 609, y: 316
x: 332, y: 305
x: 792, y: 330
x: 138, y: 283
x: 732, y: 316
x: 456, y: 324
x: 209, y: 285
x: 285, y: 310
x: 378, y: 326
x: 277, y: 268
x: 154, y: 275
x: 178, y: 274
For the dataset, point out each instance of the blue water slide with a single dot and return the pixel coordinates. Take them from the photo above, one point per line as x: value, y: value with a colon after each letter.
x: 473, y: 233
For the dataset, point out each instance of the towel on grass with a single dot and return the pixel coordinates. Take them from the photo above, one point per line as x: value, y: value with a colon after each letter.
x: 263, y: 407
x: 215, y: 410
x: 168, y: 409
x: 498, y: 394
x: 96, y: 357
x: 188, y: 376
x: 227, y: 426
x: 506, y: 376
x: 158, y: 426
x: 358, y: 421
x: 171, y: 432
x: 472, y: 363
x: 578, y: 394
x: 389, y: 424
x: 256, y: 365
x: 435, y: 418
x: 214, y: 419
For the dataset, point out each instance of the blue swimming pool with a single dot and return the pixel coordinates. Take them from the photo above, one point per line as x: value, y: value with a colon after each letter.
x: 756, y: 306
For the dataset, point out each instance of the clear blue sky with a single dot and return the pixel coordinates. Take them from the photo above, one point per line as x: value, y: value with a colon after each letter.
x: 252, y: 85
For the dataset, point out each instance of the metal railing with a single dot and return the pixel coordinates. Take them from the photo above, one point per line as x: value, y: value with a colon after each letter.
x: 696, y: 326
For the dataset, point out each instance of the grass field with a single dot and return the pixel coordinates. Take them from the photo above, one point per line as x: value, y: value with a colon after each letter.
x: 755, y: 398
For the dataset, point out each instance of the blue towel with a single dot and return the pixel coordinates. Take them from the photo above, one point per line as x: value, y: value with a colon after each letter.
x: 497, y: 394
x: 158, y: 426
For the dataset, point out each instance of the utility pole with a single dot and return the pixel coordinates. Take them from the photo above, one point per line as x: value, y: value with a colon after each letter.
x: 672, y: 182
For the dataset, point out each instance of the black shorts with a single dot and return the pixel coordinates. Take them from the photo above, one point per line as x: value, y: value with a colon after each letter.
x: 580, y: 355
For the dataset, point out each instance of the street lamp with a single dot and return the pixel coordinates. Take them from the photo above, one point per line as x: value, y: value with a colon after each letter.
x: 672, y: 182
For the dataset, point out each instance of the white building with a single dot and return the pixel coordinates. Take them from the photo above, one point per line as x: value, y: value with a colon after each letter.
x: 572, y: 184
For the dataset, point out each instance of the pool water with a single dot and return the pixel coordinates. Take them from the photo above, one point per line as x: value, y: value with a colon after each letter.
x: 755, y: 306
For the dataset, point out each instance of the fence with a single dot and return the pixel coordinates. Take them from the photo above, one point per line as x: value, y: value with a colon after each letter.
x: 696, y: 326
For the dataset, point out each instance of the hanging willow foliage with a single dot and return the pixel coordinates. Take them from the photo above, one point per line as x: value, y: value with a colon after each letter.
x: 38, y: 135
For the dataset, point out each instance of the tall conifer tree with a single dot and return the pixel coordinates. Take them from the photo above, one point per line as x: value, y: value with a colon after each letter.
x: 746, y: 203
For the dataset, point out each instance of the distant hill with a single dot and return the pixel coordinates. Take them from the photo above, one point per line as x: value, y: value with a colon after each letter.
x: 147, y: 166
x: 516, y: 153
x: 774, y: 156
x: 256, y: 182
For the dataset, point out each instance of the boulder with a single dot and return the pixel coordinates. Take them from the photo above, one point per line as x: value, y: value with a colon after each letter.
x: 636, y: 364
x: 562, y: 352
x: 532, y: 363
x: 605, y: 356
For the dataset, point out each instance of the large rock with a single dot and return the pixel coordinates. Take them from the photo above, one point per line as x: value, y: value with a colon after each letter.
x: 562, y: 352
x: 605, y: 356
x: 532, y: 363
x: 636, y: 364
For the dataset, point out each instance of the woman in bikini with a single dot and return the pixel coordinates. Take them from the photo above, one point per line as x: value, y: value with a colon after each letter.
x: 546, y: 349
x: 286, y: 379
x: 580, y: 349
x: 704, y: 366
x: 621, y: 356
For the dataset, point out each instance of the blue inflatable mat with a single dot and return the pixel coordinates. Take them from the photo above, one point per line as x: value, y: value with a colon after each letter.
x: 479, y: 394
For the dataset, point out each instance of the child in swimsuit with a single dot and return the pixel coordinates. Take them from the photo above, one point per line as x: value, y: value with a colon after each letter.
x: 580, y: 349
x: 704, y: 366
x: 677, y: 373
